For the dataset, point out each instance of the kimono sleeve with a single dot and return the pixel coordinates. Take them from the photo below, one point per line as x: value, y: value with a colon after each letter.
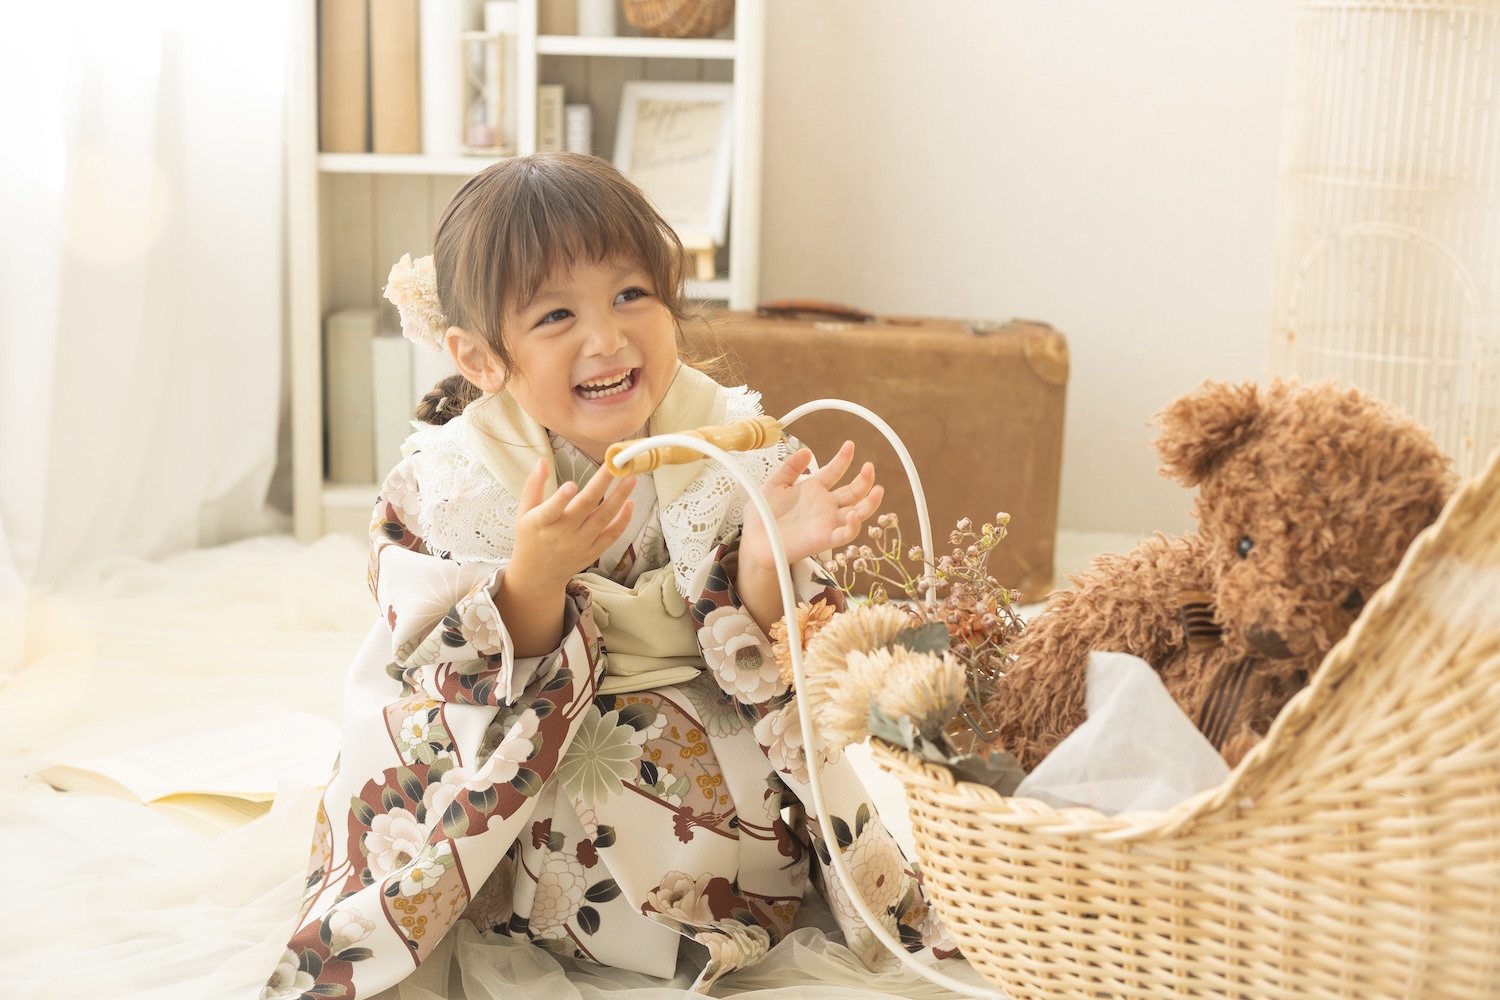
x: 446, y: 634
x: 736, y: 650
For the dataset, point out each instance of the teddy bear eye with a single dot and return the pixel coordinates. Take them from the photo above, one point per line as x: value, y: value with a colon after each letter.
x: 1245, y: 546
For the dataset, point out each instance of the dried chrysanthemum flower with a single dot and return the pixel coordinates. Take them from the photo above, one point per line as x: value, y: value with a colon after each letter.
x: 860, y: 629
x: 902, y: 684
x: 811, y: 616
x: 923, y: 687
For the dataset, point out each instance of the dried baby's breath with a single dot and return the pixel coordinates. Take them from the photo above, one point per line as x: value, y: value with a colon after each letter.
x: 953, y: 590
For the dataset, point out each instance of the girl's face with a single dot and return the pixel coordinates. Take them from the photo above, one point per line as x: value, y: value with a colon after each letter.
x: 594, y: 353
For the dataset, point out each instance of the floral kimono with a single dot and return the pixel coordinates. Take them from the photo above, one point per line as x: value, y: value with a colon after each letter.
x: 641, y: 784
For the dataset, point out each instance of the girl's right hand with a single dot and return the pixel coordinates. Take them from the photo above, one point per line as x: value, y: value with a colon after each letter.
x: 567, y: 532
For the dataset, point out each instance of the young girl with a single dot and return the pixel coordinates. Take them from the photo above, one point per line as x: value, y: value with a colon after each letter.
x: 567, y: 723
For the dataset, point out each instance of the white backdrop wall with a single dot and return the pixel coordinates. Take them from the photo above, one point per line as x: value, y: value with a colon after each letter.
x: 1108, y: 167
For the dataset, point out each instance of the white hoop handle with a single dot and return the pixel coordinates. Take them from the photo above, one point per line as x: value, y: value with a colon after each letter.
x: 621, y: 458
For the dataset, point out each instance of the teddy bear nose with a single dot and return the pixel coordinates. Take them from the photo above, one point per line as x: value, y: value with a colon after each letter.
x: 1267, y: 641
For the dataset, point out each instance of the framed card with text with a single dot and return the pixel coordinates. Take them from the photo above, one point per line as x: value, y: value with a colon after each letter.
x: 673, y: 140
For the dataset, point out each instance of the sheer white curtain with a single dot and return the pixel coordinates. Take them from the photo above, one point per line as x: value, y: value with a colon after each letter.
x: 141, y: 268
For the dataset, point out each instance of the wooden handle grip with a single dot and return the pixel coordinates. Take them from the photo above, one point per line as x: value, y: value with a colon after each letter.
x: 742, y: 435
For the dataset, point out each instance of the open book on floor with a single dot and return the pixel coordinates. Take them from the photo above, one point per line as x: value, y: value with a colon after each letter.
x: 215, y: 780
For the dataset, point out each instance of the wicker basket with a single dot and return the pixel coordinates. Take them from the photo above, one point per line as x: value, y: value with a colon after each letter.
x: 679, y: 18
x: 1354, y: 853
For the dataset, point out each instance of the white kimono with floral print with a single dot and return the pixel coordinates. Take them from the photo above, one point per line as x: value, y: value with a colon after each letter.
x: 509, y: 792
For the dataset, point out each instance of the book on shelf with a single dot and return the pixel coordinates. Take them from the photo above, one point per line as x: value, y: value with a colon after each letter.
x: 343, y: 76
x: 549, y: 117
x: 394, y: 404
x: 557, y: 17
x: 395, y: 97
x: 349, y: 395
x: 442, y: 76
x: 215, y: 780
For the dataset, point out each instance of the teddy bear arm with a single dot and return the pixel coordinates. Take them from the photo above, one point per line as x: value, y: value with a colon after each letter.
x: 1116, y: 606
x: 1123, y: 603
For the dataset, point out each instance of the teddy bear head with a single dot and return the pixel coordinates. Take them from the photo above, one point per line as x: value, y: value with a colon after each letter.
x: 1308, y: 496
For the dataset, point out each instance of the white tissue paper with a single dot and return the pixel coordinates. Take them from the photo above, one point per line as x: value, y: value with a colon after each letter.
x: 1137, y: 749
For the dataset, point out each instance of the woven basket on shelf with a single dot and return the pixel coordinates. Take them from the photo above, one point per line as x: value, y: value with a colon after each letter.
x: 1354, y: 853
x: 679, y: 18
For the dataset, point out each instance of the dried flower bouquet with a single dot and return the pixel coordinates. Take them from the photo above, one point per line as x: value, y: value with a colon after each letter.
x: 913, y: 660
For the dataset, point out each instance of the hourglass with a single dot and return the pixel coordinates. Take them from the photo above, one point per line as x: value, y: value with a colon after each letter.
x: 482, y: 98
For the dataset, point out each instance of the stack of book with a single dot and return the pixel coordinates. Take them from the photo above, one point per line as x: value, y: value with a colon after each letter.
x: 373, y: 380
x: 408, y: 76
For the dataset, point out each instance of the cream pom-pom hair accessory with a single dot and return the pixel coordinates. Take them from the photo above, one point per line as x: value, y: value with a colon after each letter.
x: 412, y: 287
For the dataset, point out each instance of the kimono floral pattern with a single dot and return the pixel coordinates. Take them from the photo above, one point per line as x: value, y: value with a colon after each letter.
x: 511, y: 793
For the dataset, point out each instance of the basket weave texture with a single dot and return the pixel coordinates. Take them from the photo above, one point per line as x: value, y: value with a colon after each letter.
x: 1354, y: 853
x: 678, y: 18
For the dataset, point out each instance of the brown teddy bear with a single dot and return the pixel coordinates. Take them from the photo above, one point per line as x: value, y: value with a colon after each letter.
x: 1308, y: 495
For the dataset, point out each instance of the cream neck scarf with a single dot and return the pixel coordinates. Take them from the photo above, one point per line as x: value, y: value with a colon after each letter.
x: 508, y: 441
x: 648, y: 637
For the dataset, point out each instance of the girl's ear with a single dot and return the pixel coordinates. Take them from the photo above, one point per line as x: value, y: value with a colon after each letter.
x: 475, y: 361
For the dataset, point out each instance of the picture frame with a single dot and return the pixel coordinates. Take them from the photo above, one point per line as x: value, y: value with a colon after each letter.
x: 674, y: 140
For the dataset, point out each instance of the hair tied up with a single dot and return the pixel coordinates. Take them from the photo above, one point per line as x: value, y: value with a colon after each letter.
x: 447, y: 400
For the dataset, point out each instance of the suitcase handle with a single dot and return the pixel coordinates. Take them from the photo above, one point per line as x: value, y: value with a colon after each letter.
x: 790, y: 308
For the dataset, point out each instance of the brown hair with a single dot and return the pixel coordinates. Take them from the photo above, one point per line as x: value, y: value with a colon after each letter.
x: 516, y: 221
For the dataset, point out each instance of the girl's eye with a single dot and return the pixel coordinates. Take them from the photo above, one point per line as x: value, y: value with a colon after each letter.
x: 1244, y: 547
x: 630, y: 295
x: 556, y: 316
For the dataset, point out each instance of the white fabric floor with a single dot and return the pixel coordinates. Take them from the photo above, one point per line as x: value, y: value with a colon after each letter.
x: 116, y: 901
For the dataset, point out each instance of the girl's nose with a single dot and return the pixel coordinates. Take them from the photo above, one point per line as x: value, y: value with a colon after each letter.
x: 606, y: 337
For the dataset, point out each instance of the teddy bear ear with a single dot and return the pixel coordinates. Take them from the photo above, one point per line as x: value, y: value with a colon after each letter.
x: 1199, y: 429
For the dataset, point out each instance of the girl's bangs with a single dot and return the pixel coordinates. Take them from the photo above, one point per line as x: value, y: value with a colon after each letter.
x: 551, y: 235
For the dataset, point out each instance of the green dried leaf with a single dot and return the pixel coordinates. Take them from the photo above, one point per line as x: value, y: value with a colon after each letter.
x: 898, y: 732
x: 929, y: 638
x: 999, y: 770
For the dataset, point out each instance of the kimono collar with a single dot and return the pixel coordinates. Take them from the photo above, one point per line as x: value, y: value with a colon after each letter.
x: 508, y: 441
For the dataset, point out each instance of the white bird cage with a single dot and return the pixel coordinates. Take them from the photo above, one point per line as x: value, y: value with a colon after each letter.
x: 1387, y: 265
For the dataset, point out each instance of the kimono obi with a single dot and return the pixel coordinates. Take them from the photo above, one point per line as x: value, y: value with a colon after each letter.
x: 649, y: 640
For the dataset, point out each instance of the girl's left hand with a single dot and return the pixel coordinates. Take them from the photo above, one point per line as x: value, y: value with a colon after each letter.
x: 814, y: 514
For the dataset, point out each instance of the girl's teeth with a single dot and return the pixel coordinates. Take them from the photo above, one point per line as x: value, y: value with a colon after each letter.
x: 587, y: 390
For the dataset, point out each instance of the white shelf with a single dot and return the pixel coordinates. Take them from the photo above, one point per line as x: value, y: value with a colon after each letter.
x: 402, y: 163
x: 639, y: 48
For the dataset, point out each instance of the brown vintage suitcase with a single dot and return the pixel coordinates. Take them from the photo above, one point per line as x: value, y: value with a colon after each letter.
x: 978, y: 405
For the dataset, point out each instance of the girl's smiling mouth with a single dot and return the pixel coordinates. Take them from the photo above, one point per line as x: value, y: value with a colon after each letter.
x: 608, y: 385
